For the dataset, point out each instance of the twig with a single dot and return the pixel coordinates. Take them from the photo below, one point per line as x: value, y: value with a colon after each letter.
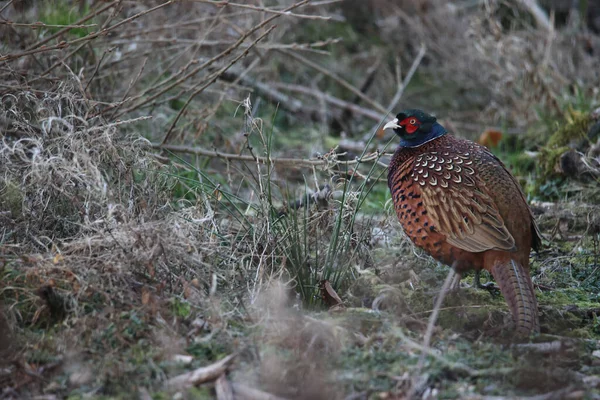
x: 109, y: 50
x: 324, y: 3
x: 545, y: 347
x: 123, y: 40
x: 119, y: 123
x: 356, y: 109
x: 37, y: 25
x: 124, y: 97
x: 407, y: 78
x: 210, y: 81
x: 59, y: 62
x: 346, y: 116
x: 451, y: 308
x: 6, y: 6
x: 223, y: 388
x: 200, y: 375
x: 246, y: 392
x: 219, y: 56
x: 555, y: 395
x: 310, y: 198
x: 401, y: 87
x: 289, y: 103
x: 336, y: 78
x: 431, y: 325
x: 262, y: 160
x: 428, y: 351
x: 538, y: 14
x: 262, y: 9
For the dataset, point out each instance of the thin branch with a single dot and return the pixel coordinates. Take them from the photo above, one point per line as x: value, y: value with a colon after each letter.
x: 407, y: 78
x: 299, y: 162
x: 38, y: 25
x: 310, y: 47
x: 262, y: 9
x: 124, y: 97
x: 5, y: 6
x: 109, y: 50
x: 336, y: 78
x: 211, y: 80
x: 219, y: 56
x: 408, y: 342
x: 355, y: 108
x: 538, y: 13
x: 431, y: 323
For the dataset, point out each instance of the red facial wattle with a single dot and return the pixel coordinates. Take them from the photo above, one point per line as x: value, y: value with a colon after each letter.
x: 410, y: 129
x: 411, y: 125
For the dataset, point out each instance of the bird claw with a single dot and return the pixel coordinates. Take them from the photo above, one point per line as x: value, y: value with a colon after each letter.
x: 489, y: 286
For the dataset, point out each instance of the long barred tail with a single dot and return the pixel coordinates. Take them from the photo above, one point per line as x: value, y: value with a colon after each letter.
x: 517, y: 289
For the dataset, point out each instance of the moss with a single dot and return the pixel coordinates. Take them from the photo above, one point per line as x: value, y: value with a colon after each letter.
x: 575, y: 127
x: 467, y: 310
x: 566, y: 297
x: 549, y: 159
x: 568, y: 312
x: 373, y: 368
x: 573, y: 130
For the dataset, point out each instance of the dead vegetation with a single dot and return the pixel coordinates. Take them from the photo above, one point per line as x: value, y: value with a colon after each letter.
x: 187, y: 187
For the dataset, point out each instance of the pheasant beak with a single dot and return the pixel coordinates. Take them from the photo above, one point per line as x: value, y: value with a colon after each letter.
x: 393, y: 124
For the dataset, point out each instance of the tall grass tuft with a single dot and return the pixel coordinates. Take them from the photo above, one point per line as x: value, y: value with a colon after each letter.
x: 318, y: 235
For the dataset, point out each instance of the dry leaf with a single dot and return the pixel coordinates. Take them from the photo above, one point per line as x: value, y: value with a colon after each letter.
x: 146, y: 296
x: 217, y: 193
x: 57, y: 258
x: 490, y: 138
x: 328, y: 295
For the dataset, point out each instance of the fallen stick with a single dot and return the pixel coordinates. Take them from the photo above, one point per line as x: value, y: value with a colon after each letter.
x: 223, y: 388
x: 248, y: 393
x: 200, y: 375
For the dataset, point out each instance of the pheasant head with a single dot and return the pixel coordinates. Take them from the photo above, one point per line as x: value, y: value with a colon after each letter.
x: 415, y: 128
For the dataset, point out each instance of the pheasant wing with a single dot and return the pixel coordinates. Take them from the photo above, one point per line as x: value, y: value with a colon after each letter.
x: 458, y: 203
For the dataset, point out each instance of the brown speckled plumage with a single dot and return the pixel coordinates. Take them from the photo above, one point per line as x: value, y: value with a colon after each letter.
x: 459, y: 203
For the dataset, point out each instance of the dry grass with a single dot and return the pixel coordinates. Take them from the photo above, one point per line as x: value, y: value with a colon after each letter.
x: 65, y: 174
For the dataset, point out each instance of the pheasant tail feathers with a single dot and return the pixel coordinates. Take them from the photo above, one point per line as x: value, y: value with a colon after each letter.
x: 517, y: 289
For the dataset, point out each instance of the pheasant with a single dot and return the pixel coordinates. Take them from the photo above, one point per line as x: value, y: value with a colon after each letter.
x: 459, y: 203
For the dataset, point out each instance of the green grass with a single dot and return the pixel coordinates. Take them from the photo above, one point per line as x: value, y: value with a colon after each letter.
x: 61, y: 12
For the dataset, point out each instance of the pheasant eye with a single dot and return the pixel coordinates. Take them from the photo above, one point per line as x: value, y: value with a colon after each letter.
x: 412, y: 121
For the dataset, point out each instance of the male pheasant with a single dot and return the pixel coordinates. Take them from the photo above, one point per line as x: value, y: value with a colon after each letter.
x: 458, y: 202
